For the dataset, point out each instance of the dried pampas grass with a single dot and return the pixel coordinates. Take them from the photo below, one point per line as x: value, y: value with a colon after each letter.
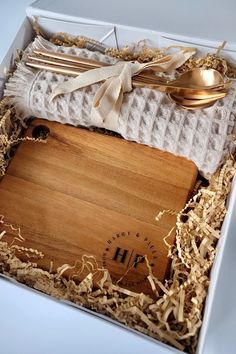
x: 10, y: 130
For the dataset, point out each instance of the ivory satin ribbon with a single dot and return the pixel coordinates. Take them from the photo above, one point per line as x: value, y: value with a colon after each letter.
x: 117, y: 80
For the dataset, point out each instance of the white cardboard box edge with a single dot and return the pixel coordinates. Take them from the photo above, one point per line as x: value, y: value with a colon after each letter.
x: 20, y: 42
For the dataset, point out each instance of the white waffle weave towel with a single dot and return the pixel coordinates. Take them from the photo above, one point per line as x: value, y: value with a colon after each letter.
x: 147, y: 116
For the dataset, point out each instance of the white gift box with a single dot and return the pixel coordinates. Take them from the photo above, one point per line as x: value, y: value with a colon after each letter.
x: 201, y: 24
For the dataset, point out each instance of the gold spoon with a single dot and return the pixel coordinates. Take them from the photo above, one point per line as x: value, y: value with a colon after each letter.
x: 191, y: 104
x: 193, y: 79
x: 194, y: 93
x: 195, y: 98
x: 193, y: 88
x: 201, y: 77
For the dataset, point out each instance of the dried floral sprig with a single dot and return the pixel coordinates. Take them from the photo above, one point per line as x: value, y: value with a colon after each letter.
x: 63, y: 39
x: 210, y: 61
x: 140, y: 52
x: 11, y: 130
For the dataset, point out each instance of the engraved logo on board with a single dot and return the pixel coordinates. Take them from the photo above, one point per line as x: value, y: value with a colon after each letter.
x: 125, y: 254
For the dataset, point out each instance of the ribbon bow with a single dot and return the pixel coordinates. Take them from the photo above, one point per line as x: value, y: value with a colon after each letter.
x: 117, y: 80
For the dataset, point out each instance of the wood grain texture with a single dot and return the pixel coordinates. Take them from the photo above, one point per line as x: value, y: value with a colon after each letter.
x: 87, y: 193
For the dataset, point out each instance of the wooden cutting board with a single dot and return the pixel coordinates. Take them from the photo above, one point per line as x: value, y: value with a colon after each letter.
x: 85, y: 193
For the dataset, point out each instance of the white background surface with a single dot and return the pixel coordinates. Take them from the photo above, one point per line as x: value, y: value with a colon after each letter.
x: 31, y: 323
x: 12, y: 13
x: 206, y: 19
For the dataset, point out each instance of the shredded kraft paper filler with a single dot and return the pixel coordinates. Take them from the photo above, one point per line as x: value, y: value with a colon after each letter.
x: 174, y: 313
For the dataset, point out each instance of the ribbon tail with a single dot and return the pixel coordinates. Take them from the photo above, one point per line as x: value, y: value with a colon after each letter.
x: 107, y: 103
x: 171, y: 62
x: 113, y: 116
x: 85, y: 79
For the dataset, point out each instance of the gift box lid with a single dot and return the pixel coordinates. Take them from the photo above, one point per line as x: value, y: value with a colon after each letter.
x: 206, y: 22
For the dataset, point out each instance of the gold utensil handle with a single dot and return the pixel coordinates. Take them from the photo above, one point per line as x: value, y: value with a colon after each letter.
x: 195, y: 93
x: 43, y: 55
x: 74, y: 65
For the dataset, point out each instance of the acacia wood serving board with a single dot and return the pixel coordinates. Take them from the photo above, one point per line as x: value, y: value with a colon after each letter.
x: 86, y: 193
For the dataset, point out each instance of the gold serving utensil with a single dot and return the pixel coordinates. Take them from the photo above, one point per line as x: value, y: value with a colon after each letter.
x: 200, y: 94
x: 193, y: 89
x: 88, y: 64
x: 181, y: 91
x: 186, y: 92
x: 195, y: 79
x: 192, y: 103
x: 75, y: 71
x: 189, y: 102
x: 203, y: 77
x: 195, y: 104
x: 191, y: 95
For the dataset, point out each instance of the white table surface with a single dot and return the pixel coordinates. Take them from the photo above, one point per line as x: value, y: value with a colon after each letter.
x: 34, y: 324
x: 31, y: 323
x: 12, y: 13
